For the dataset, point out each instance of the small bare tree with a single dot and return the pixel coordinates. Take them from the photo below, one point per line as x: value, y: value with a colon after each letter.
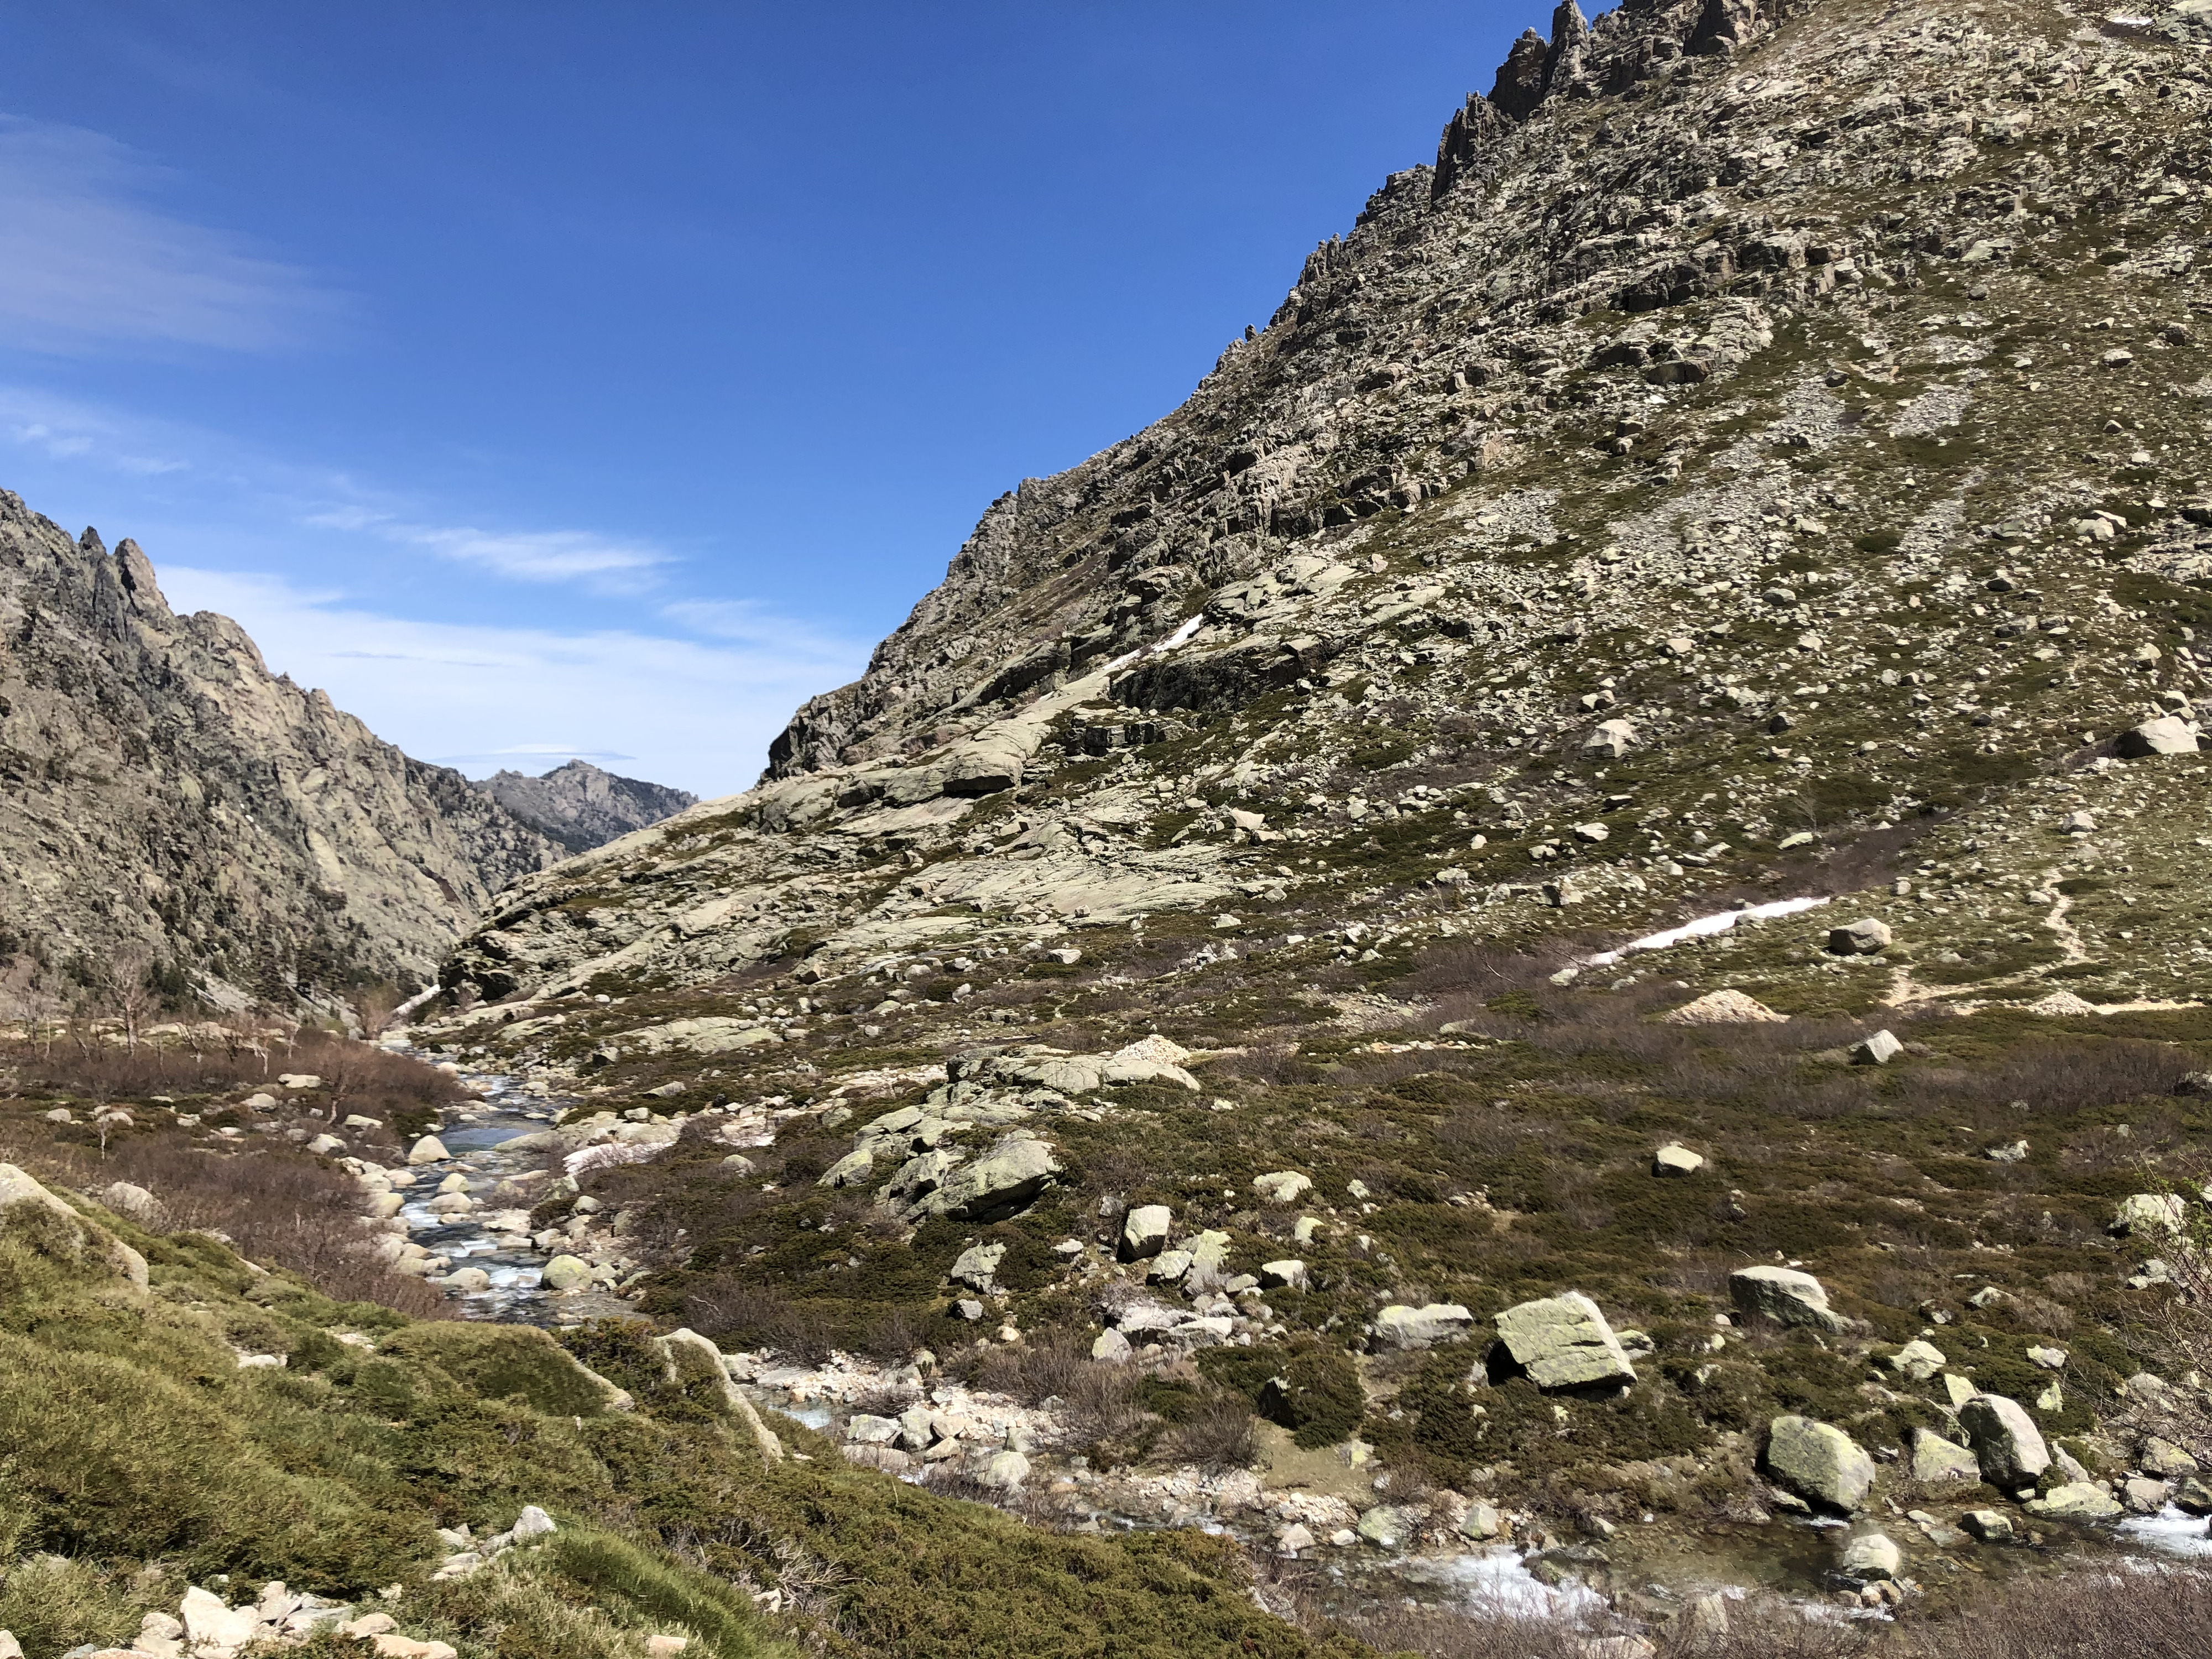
x: 131, y: 993
x: 372, y: 1009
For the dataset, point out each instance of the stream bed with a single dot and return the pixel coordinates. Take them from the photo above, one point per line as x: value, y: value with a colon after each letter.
x: 492, y: 1143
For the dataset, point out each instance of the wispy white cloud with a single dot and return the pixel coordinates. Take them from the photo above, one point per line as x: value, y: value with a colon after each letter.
x: 63, y: 429
x: 539, y: 555
x: 680, y: 711
x: 748, y: 622
x: 96, y: 265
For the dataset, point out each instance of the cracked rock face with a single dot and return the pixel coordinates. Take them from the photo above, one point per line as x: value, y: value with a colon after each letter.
x: 173, y: 806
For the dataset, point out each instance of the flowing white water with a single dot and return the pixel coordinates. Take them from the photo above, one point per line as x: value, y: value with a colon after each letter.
x: 2170, y: 1532
x: 1703, y: 927
x: 1496, y: 1581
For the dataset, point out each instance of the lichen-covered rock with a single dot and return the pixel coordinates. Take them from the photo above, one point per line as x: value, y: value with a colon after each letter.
x: 1401, y: 1327
x: 1004, y: 1183
x: 1819, y: 1463
x: 1918, y: 1360
x: 2076, y: 1500
x: 1564, y: 1342
x: 1936, y: 1459
x: 1785, y: 1295
x: 2149, y: 1214
x: 1144, y: 1233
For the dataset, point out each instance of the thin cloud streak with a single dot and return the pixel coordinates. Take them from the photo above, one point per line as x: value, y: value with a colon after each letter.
x: 539, y: 556
x: 681, y: 711
x: 111, y: 272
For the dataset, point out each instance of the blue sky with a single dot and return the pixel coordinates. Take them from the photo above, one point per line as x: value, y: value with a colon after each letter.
x: 548, y: 378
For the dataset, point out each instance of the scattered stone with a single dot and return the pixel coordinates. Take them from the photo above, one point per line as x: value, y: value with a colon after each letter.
x: 1400, y: 1327
x: 1991, y: 1525
x: 1872, y: 1555
x: 2149, y: 1214
x: 1287, y: 1275
x: 428, y: 1150
x: 1111, y: 1348
x: 1610, y: 740
x: 1144, y: 1233
x: 1918, y: 1360
x: 1877, y: 1050
x: 565, y: 1273
x: 1676, y: 1159
x: 977, y: 1267
x: 1564, y: 1342
x: 1936, y: 1459
x: 2062, y: 1005
x: 1820, y: 1462
x: 1481, y: 1522
x: 1784, y: 1295
x: 1724, y: 1008
x: 2169, y: 734
x: 1005, y: 1471
x: 1859, y: 938
x: 2007, y: 1446
x: 1282, y: 1187
x: 2077, y: 1500
x: 2161, y: 1457
x: 1387, y: 1527
x: 2144, y: 1496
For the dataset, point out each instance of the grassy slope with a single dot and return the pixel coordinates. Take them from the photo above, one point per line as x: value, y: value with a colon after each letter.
x: 140, y: 1456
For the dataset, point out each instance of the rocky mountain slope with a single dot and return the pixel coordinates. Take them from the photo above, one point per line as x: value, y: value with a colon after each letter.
x: 580, y: 806
x: 177, y: 814
x: 1765, y: 458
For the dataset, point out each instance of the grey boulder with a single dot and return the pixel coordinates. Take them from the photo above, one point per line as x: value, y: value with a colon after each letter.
x: 2007, y: 1446
x: 1819, y: 1462
x: 2169, y: 734
x: 1564, y: 1342
x: 1400, y: 1327
x: 1784, y: 1295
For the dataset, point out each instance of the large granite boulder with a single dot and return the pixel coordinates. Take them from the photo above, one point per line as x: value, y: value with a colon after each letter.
x: 2007, y: 1446
x: 1784, y: 1295
x: 1564, y: 1342
x: 1819, y: 1462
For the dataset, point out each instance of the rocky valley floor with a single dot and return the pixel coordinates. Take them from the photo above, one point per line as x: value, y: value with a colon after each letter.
x: 1546, y: 958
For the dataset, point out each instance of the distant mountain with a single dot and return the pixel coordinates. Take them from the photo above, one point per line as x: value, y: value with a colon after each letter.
x: 173, y: 809
x: 581, y: 806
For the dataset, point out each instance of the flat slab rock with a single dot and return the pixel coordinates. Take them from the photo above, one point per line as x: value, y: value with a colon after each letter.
x: 1564, y: 1342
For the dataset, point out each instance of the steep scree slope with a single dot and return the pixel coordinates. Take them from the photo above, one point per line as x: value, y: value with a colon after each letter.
x: 173, y: 807
x: 1825, y: 398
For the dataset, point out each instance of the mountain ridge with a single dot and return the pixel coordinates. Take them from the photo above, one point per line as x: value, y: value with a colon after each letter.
x: 582, y: 806
x: 182, y: 819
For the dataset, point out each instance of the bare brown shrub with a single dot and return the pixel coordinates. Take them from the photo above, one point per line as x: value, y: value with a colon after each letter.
x: 273, y: 1203
x: 1218, y: 1434
x: 356, y: 1077
x: 2150, y: 1614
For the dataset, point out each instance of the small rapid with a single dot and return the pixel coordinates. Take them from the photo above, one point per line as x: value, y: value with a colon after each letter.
x: 493, y: 1144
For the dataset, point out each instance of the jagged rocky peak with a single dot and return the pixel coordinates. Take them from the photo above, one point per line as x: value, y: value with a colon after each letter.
x: 581, y: 806
x: 174, y: 810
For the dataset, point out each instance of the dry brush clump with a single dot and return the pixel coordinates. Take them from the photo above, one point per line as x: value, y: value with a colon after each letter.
x: 273, y: 1203
x: 211, y: 1058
